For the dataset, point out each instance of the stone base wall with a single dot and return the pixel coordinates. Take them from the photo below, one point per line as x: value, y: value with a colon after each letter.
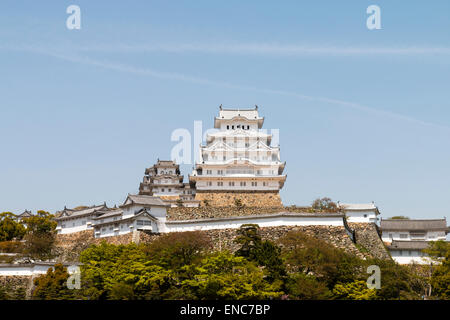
x: 369, y: 244
x: 336, y: 236
x: 17, y: 287
x: 367, y: 237
x: 251, y: 199
x: 185, y: 213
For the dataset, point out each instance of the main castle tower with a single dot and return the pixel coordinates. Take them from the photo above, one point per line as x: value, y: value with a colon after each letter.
x: 238, y: 162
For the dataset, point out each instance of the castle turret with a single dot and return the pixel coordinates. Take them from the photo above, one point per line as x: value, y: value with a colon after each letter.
x: 238, y: 162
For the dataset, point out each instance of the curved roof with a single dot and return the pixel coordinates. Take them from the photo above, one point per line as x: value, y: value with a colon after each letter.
x: 408, y: 224
x: 232, y: 114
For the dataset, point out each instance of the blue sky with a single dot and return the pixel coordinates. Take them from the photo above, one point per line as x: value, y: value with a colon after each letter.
x: 363, y: 115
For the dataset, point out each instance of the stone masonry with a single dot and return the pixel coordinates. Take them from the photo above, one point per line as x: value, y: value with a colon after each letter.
x: 252, y: 199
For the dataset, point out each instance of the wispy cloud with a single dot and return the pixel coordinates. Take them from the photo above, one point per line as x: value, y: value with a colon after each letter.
x: 199, y: 80
x: 272, y: 49
x: 264, y: 49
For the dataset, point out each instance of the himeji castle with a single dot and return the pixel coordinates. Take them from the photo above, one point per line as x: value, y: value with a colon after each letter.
x: 238, y: 162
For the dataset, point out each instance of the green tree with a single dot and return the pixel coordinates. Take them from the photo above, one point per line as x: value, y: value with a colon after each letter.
x: 41, y: 236
x: 324, y: 204
x: 327, y: 263
x: 356, y: 290
x: 439, y: 251
x: 226, y: 277
x: 177, y: 249
x: 9, y: 228
x: 41, y: 223
x: 53, y: 285
x: 303, y: 287
x: 122, y: 272
x: 397, y: 282
x: 263, y: 252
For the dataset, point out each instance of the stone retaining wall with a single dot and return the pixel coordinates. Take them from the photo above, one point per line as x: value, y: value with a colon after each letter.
x: 369, y: 244
x: 17, y: 287
x: 252, y: 199
x: 367, y: 237
x: 184, y: 213
x: 336, y: 236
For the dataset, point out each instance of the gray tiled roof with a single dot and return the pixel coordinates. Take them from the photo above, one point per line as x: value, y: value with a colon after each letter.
x: 108, y: 213
x: 25, y: 214
x: 70, y: 213
x: 407, y: 224
x: 145, y: 200
x: 409, y: 245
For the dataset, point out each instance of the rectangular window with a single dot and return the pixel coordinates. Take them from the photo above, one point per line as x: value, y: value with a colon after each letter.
x: 220, y: 184
x: 140, y: 222
x: 243, y: 184
x: 209, y: 183
x: 147, y: 223
x: 231, y: 184
x: 403, y: 236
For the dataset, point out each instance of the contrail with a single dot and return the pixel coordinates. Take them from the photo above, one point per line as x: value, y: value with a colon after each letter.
x: 192, y: 79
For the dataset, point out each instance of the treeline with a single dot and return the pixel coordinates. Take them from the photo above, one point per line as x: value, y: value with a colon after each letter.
x: 184, y: 266
x: 31, y: 237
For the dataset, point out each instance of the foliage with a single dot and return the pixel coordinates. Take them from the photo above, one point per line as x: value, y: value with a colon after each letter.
x: 313, y: 256
x: 9, y: 228
x: 437, y: 250
x: 8, y: 292
x: 324, y: 204
x: 175, y: 250
x: 41, y: 223
x: 227, y: 277
x: 303, y: 287
x: 121, y: 272
x: 39, y: 246
x: 53, y: 285
x: 397, y: 282
x: 356, y: 290
x: 440, y: 278
x: 264, y: 253
x: 41, y: 236
x: 11, y: 246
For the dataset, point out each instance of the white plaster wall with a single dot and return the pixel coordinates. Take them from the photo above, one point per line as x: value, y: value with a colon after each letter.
x: 12, y: 270
x: 358, y: 216
x: 410, y: 259
x: 262, y: 222
x: 69, y: 228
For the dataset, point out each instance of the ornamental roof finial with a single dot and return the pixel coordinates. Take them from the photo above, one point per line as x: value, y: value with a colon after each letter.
x: 220, y: 107
x: 256, y: 107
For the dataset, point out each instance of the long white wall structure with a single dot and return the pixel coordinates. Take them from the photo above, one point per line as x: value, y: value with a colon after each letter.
x: 269, y: 220
x: 29, y: 269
